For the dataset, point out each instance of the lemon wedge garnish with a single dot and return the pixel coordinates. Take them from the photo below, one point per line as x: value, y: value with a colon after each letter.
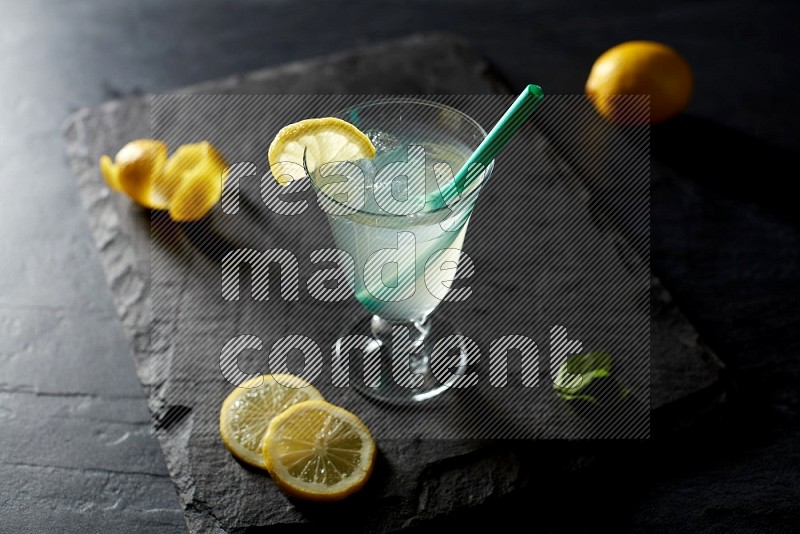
x: 247, y: 412
x: 318, y: 451
x: 320, y: 141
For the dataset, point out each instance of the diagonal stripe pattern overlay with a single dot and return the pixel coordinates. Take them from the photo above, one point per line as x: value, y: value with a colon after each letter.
x: 557, y: 266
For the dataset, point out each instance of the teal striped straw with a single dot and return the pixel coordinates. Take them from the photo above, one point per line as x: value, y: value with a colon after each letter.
x: 495, y: 141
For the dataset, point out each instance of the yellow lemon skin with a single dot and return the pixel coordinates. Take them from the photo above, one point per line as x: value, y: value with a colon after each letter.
x: 193, y: 180
x: 188, y: 183
x: 640, y: 68
x: 136, y: 170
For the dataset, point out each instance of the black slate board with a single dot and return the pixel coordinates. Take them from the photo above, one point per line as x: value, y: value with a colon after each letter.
x: 415, y: 480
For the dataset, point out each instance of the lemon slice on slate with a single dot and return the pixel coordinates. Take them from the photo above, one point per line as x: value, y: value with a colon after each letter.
x: 317, y: 451
x: 249, y: 409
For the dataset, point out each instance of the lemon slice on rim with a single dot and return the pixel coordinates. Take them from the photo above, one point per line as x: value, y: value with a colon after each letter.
x: 248, y: 410
x: 317, y: 451
x: 320, y: 141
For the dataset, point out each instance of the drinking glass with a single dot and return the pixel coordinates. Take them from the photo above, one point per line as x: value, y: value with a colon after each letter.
x: 388, y: 214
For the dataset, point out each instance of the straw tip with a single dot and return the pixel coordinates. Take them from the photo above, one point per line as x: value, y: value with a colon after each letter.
x: 535, y: 91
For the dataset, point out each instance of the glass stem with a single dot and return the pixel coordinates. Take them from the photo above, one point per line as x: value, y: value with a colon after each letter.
x: 414, y: 331
x: 382, y: 330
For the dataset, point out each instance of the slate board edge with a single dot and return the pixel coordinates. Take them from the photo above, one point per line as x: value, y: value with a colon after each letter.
x: 97, y: 203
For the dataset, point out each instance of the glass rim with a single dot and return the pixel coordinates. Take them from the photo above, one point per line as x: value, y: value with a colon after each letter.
x: 428, y: 216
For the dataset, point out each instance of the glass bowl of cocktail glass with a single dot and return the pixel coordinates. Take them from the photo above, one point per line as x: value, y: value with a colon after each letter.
x: 399, y: 221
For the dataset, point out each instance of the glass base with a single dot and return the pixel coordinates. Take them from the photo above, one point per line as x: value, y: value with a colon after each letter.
x: 393, y: 363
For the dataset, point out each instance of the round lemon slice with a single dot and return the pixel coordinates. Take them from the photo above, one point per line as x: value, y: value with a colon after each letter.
x: 318, y: 451
x: 247, y: 412
x: 319, y: 141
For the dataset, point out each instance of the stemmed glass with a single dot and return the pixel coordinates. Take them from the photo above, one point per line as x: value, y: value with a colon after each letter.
x: 389, y: 216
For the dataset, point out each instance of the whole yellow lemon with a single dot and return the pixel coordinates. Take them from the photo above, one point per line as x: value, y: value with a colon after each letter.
x: 639, y: 68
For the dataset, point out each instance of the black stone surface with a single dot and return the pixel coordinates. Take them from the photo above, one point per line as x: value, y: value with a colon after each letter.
x: 409, y: 488
x: 723, y: 250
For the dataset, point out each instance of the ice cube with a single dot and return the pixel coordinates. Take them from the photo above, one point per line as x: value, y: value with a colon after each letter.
x: 383, y: 141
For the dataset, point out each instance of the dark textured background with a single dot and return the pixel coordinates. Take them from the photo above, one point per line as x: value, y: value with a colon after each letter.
x: 75, y: 451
